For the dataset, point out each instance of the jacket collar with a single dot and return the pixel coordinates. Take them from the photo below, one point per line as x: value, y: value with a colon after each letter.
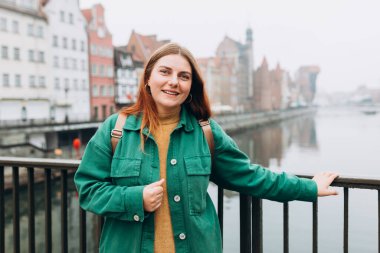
x: 186, y: 121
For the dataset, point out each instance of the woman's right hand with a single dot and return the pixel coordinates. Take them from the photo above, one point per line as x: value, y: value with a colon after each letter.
x: 152, y: 195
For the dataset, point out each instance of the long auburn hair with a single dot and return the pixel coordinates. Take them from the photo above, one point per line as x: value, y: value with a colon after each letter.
x: 145, y: 106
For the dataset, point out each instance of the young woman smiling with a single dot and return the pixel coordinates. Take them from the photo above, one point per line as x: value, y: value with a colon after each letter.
x: 152, y: 190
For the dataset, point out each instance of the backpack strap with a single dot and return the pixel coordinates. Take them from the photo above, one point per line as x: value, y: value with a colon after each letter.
x: 117, y: 132
x: 205, y: 125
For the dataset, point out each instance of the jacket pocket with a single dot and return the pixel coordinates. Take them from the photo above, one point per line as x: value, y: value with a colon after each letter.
x: 198, y: 170
x: 125, y: 171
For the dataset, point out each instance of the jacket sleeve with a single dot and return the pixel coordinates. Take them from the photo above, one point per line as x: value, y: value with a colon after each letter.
x: 96, y: 191
x: 233, y: 170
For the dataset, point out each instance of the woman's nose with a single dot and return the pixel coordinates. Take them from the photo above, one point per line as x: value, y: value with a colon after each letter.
x: 174, y: 80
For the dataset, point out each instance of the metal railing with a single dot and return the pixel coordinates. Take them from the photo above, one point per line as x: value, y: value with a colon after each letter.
x: 251, y: 235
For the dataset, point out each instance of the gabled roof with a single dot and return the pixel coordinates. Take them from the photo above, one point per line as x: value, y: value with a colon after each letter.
x: 87, y: 14
x: 147, y: 44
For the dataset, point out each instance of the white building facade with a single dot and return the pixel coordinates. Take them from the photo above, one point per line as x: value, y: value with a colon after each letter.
x: 25, y: 89
x: 127, y: 72
x: 68, y: 43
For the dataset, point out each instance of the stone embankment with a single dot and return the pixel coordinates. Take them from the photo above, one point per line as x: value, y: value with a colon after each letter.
x: 237, y: 122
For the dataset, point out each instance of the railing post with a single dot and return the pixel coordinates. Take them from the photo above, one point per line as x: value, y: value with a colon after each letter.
x: 48, y: 228
x: 315, y: 226
x: 286, y: 227
x: 257, y: 225
x: 2, y: 211
x: 16, y: 209
x: 245, y: 223
x: 31, y: 211
x: 82, y: 231
x: 64, y: 242
x: 345, y: 223
x: 220, y: 209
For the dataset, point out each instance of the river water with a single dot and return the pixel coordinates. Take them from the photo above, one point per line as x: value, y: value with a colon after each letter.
x: 342, y: 140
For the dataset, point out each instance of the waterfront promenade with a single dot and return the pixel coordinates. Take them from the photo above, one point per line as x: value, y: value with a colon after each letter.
x: 250, y: 210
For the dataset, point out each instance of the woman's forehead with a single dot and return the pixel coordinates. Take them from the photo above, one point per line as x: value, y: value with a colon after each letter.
x: 174, y: 61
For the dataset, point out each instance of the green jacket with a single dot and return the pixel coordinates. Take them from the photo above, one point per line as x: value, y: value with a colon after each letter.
x: 112, y: 186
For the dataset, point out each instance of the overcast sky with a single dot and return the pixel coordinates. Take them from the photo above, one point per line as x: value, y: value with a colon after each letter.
x: 341, y: 36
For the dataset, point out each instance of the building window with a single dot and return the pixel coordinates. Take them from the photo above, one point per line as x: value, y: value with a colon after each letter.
x: 95, y: 91
x: 110, y: 71
x: 82, y: 46
x: 74, y: 64
x: 31, y: 55
x: 30, y: 29
x: 41, y: 56
x: 6, y: 80
x: 16, y: 53
x: 94, y: 49
x: 110, y: 90
x: 71, y: 18
x: 103, y: 91
x: 74, y: 44
x: 32, y: 81
x: 75, y: 84
x: 95, y: 113
x: 15, y: 27
x: 40, y: 32
x: 93, y: 69
x: 24, y: 114
x: 55, y: 41
x: 64, y: 42
x: 67, y: 84
x: 101, y: 70
x: 56, y: 83
x: 83, y: 66
x: 41, y: 82
x: 4, y: 52
x: 18, y: 80
x: 65, y: 63
x: 3, y: 24
x: 56, y: 62
x: 62, y: 16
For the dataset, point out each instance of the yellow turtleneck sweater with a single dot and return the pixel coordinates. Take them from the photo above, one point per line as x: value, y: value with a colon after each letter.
x: 163, y: 232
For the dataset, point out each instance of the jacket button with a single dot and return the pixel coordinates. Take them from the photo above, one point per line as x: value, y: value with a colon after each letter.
x: 177, y: 198
x: 136, y: 217
x: 173, y: 161
x: 182, y: 236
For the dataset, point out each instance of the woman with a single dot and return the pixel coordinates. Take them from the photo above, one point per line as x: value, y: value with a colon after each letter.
x: 153, y: 190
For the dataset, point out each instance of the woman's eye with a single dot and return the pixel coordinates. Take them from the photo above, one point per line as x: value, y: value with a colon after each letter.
x: 164, y: 71
x: 185, y: 77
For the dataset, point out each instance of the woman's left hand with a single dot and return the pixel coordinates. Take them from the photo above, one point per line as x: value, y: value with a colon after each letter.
x: 324, y: 181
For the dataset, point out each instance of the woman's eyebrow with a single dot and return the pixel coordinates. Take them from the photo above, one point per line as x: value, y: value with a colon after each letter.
x: 166, y: 67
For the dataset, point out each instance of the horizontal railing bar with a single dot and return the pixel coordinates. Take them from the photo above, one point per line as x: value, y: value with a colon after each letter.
x: 351, y: 181
x: 39, y: 162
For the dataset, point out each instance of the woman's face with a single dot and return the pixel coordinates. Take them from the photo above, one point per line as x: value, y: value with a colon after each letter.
x: 170, y: 82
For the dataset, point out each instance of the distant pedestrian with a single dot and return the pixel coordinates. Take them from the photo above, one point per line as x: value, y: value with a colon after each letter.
x: 152, y: 190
